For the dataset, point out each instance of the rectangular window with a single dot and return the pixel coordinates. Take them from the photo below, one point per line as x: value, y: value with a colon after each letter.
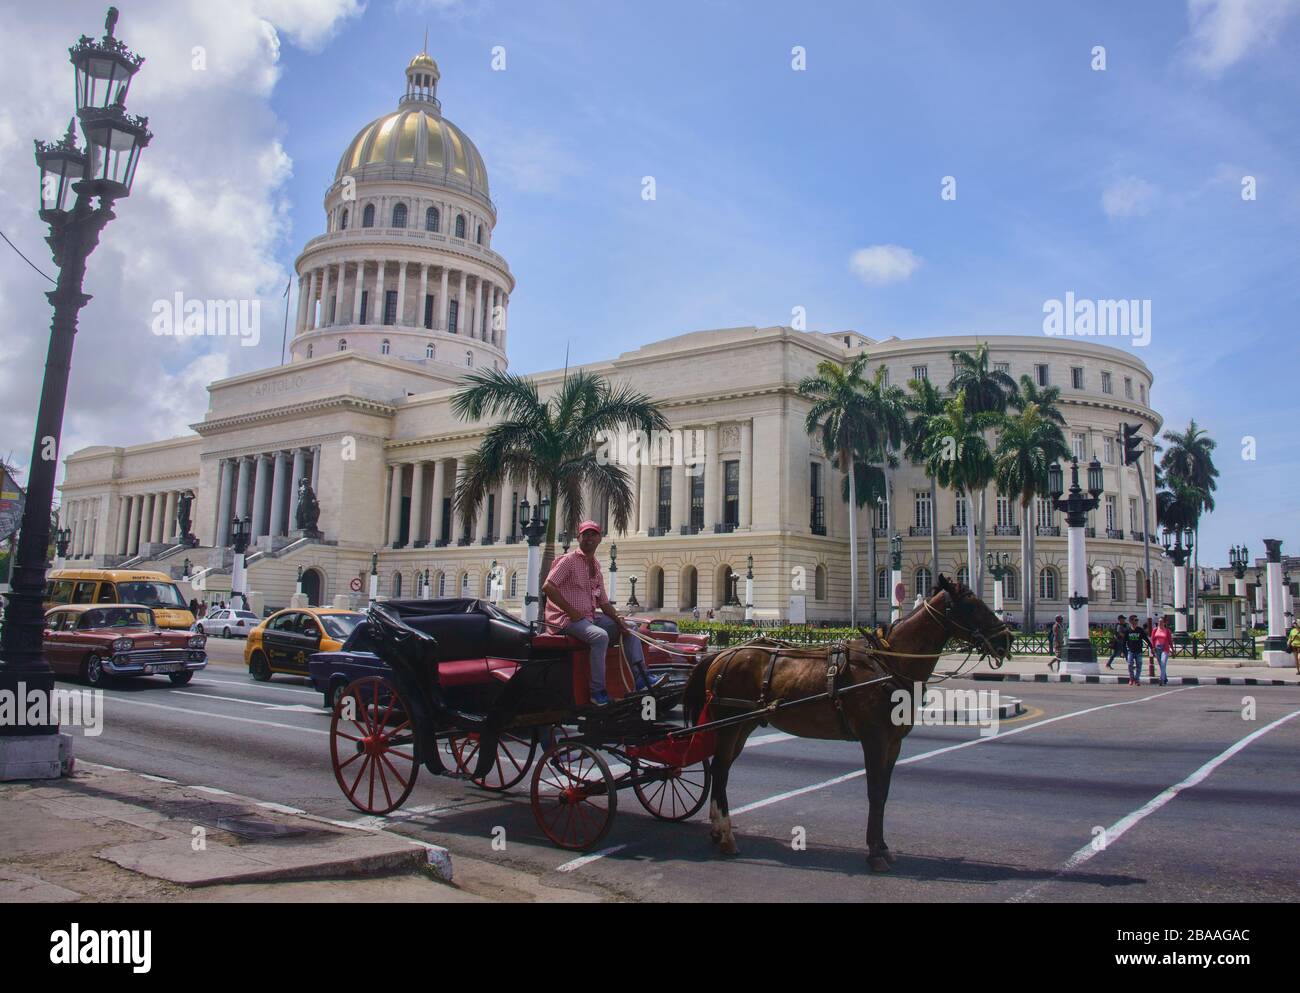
x: 1006, y: 516
x: 390, y: 306
x: 514, y: 514
x: 886, y: 375
x: 428, y: 310
x: 1133, y: 516
x: 1142, y: 392
x: 881, y: 514
x: 816, y: 506
x: 1046, y: 514
x: 1040, y: 374
x: 1108, y: 447
x: 1002, y: 367
x: 697, y: 501
x: 453, y: 315
x: 1128, y: 388
x: 960, y: 517
x: 365, y: 306
x: 334, y: 306
x: 665, y: 498
x: 1078, y: 445
x: 924, y: 511
x: 920, y: 372
x: 1076, y: 377
x: 444, y: 528
x: 1110, y: 513
x: 491, y: 515
x: 731, y: 492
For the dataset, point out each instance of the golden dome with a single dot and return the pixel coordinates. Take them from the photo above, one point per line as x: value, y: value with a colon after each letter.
x: 422, y: 61
x: 438, y: 151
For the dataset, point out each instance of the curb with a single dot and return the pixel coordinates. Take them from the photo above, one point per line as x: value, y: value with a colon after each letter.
x: 1056, y: 677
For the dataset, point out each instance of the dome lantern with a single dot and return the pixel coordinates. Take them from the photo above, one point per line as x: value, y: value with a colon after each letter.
x: 422, y: 78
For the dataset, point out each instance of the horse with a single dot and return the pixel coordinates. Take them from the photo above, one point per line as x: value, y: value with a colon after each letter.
x: 753, y: 677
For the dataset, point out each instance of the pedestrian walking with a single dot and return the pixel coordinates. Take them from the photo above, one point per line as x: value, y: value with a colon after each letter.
x: 695, y: 612
x: 1293, y: 642
x: 1054, y: 634
x: 1151, y: 658
x: 1135, y: 639
x: 1117, y: 640
x: 1162, y: 643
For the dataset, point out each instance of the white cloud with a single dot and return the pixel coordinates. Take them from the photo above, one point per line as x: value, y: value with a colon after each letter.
x: 880, y: 265
x: 1224, y: 31
x: 207, y: 216
x: 1128, y: 197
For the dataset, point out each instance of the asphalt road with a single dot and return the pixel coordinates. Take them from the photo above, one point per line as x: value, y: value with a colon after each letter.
x: 1011, y: 817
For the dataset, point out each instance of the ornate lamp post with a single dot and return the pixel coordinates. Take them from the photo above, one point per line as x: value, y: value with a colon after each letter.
x: 239, y: 533
x: 534, y: 530
x: 1275, y: 654
x: 871, y: 560
x: 632, y: 602
x: 1258, y: 613
x: 1178, y: 546
x: 98, y: 175
x: 749, y: 588
x: 1239, y: 559
x: 428, y: 589
x: 895, y: 577
x: 186, y: 567
x: 613, y: 574
x: 297, y: 589
x: 999, y: 564
x: 61, y: 539
x: 1078, y: 656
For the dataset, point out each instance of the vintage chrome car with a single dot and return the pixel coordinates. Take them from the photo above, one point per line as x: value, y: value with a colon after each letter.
x: 94, y: 642
x: 662, y: 630
x: 288, y: 638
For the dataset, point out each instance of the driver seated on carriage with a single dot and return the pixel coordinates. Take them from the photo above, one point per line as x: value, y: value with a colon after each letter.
x: 575, y: 588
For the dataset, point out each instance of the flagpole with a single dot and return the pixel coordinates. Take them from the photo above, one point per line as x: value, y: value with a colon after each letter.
x: 284, y: 338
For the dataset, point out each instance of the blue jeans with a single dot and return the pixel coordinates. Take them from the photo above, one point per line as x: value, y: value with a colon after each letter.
x: 1162, y: 656
x: 1134, y: 663
x: 597, y: 634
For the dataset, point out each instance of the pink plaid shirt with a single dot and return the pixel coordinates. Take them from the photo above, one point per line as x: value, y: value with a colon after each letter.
x: 581, y: 582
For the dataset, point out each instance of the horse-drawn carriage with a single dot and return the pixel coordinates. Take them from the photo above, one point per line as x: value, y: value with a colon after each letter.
x: 472, y: 691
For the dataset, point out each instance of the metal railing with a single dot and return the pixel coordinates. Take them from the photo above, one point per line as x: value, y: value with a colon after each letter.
x: 918, y: 532
x: 1007, y: 529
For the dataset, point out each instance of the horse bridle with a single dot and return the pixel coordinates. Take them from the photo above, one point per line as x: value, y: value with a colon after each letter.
x: 978, y: 639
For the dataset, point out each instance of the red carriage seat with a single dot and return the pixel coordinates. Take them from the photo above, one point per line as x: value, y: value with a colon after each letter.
x: 471, y: 672
x: 618, y: 674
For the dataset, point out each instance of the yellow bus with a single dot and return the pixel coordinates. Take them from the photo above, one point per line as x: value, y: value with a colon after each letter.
x: 150, y: 589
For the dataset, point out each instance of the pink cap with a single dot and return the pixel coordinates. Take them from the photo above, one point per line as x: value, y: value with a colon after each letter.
x: 589, y: 526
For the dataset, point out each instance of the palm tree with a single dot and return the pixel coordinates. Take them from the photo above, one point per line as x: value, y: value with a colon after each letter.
x: 1045, y: 397
x: 987, y: 391
x: 1028, y: 444
x: 925, y: 402
x: 550, y: 443
x: 888, y: 427
x: 958, y: 456
x: 856, y: 421
x: 1189, y: 462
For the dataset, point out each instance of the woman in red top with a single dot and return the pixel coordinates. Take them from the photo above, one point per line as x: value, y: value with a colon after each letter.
x: 1162, y: 643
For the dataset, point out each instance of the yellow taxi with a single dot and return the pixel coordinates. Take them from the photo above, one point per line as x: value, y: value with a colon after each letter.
x: 286, y: 640
x: 98, y: 586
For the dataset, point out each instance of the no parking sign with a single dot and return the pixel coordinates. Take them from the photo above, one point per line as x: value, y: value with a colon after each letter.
x: 900, y: 591
x: 355, y: 584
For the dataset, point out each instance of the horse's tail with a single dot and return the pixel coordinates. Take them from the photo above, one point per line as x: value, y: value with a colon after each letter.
x: 696, y: 689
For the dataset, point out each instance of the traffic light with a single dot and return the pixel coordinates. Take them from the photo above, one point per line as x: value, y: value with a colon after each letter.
x: 1132, y: 443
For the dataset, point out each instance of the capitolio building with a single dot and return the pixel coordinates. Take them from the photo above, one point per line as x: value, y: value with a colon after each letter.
x: 405, y: 292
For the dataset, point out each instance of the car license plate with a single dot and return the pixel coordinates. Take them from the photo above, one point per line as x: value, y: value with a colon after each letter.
x: 166, y: 667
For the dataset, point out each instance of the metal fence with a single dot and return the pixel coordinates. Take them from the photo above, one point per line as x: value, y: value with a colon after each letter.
x: 1217, y: 648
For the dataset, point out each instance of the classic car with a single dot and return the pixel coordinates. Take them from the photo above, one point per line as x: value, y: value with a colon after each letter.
x: 661, y: 629
x: 94, y: 641
x: 227, y: 622
x: 154, y: 590
x: 331, y: 671
x: 288, y: 638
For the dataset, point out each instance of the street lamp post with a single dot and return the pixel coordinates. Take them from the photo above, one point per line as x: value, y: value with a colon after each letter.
x: 613, y: 574
x: 749, y: 588
x: 1239, y: 559
x: 895, y: 577
x: 61, y: 539
x: 297, y: 589
x: 428, y: 591
x: 1178, y: 545
x: 239, y: 533
x: 632, y: 602
x: 1275, y: 654
x: 374, y: 578
x: 999, y: 564
x: 1078, y: 656
x: 98, y: 175
x: 871, y: 565
x: 534, y: 529
x: 1258, y: 612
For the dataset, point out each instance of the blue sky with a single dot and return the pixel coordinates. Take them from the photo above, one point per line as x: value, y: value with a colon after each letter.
x: 1117, y: 183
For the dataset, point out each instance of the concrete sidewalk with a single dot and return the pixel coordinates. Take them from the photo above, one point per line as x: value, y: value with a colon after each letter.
x: 1181, y: 672
x: 112, y: 835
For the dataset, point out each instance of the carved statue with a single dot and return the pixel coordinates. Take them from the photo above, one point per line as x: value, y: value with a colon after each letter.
x: 183, y: 518
x: 307, y: 513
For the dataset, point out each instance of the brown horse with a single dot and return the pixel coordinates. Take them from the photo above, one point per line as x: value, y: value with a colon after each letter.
x: 748, y: 677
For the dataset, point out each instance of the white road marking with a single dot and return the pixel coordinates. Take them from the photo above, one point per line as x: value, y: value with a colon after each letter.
x: 279, y: 807
x: 228, y: 699
x: 156, y: 779
x: 253, y: 687
x: 202, y: 789
x: 1117, y: 830
x: 578, y: 863
x: 298, y: 708
x: 950, y: 748
x: 220, y: 717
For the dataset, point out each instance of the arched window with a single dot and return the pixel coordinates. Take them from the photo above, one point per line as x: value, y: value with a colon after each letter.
x: 399, y: 216
x: 1117, y: 584
x: 689, y: 590
x: 882, y: 584
x: 309, y: 345
x: 469, y: 360
x: 397, y: 584
x: 343, y: 220
x: 819, y: 583
x: 1010, y: 587
x: 479, y: 236
x: 655, y: 594
x: 1140, y: 586
x: 460, y: 225
x: 464, y: 584
x: 442, y: 584
x: 431, y: 219
x: 963, y: 576
x: 343, y: 344
x: 428, y: 350
x: 368, y: 216
x: 921, y: 582
x: 514, y: 585
x: 1047, y: 584
x: 385, y: 347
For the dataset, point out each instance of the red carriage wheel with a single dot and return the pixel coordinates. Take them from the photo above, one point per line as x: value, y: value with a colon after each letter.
x: 669, y: 792
x: 574, y: 799
x: 372, y: 745
x: 514, y: 757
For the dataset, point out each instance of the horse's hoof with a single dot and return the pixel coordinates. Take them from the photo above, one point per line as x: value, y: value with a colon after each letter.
x: 715, y: 836
x: 729, y: 848
x: 878, y: 863
x: 888, y: 854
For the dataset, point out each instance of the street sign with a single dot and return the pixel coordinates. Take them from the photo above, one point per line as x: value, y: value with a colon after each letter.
x: 355, y: 584
x: 900, y: 591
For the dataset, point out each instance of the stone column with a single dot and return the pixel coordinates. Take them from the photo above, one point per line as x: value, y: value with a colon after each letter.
x: 680, y: 509
x: 312, y: 321
x: 648, y: 494
x: 746, y: 468
x: 278, y: 494
x: 424, y: 292
x: 435, y: 514
x: 357, y: 287
x: 712, y: 471
x: 159, y: 517
x: 242, y: 485
x: 400, y: 319
x: 133, y: 532
x: 222, y: 530
x: 483, y: 301
x: 1276, y: 655
x: 417, y: 504
x: 261, y: 490
x: 379, y: 292
x: 443, y: 301
x: 315, y: 469
x: 301, y: 317
x: 325, y: 297
x: 123, y: 516
x: 462, y: 307
x: 394, y: 503
x: 299, y: 469
x: 169, y: 517
x: 505, y: 318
